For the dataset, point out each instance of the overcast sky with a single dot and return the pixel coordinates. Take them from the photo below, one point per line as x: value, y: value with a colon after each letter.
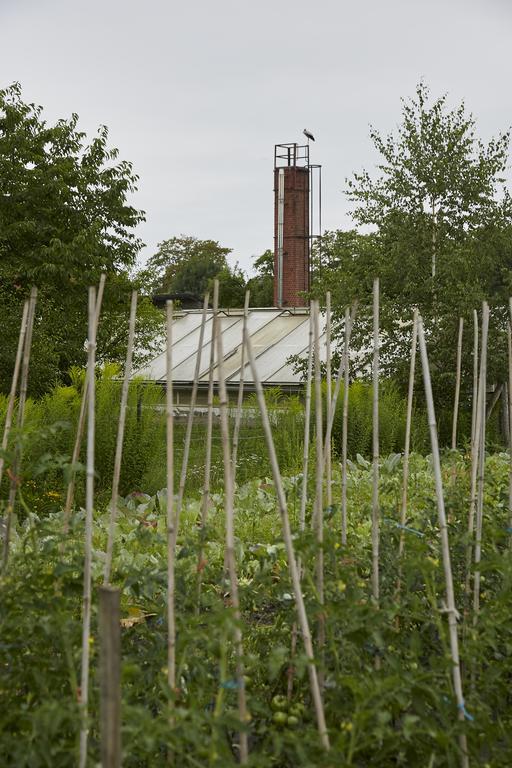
x: 197, y: 92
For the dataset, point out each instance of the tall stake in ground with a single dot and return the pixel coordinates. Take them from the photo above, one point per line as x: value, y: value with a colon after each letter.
x: 89, y: 506
x: 120, y: 438
x: 304, y: 486
x: 190, y: 422
x: 319, y: 506
x: 307, y: 420
x: 476, y: 430
x: 375, y: 447
x: 81, y: 420
x: 292, y: 563
x: 344, y: 426
x: 475, y: 377
x: 408, y: 423
x: 230, y: 547
x: 328, y: 379
x: 16, y: 464
x: 238, y: 417
x: 110, y: 676
x: 14, y: 386
x: 205, y: 498
x: 482, y: 387
x: 457, y: 385
x: 450, y: 610
x: 509, y: 348
x: 171, y: 553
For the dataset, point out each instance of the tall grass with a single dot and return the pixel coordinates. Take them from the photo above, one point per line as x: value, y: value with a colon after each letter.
x: 50, y: 426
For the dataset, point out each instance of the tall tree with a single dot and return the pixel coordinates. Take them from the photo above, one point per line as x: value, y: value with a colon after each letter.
x: 441, y: 224
x: 261, y: 285
x: 189, y: 265
x: 185, y: 264
x: 64, y: 219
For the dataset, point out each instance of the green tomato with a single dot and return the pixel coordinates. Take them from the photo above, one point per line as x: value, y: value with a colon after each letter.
x: 280, y: 718
x: 297, y: 709
x: 292, y: 721
x: 279, y: 703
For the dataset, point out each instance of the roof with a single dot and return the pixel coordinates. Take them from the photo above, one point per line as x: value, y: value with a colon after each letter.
x: 275, y: 334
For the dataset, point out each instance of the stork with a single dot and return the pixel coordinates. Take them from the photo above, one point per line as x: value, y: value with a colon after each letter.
x: 308, y: 135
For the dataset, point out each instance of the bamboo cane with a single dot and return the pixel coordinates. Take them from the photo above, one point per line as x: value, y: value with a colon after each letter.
x: 190, y: 423
x: 375, y: 447
x: 70, y: 493
x: 481, y: 465
x: 120, y: 438
x: 304, y: 487
x: 476, y: 430
x: 89, y: 504
x: 450, y: 610
x: 110, y: 676
x: 307, y: 419
x: 457, y: 385
x: 14, y: 386
x: 292, y: 563
x: 205, y: 498
x: 344, y: 427
x: 331, y: 407
x: 230, y: 548
x: 238, y: 416
x: 319, y: 507
x: 509, y: 348
x: 16, y: 464
x: 475, y: 376
x: 408, y: 424
x: 328, y: 378
x: 171, y: 553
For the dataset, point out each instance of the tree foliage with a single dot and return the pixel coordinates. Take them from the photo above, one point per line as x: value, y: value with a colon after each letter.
x: 440, y: 223
x: 188, y: 265
x: 64, y: 219
x: 261, y: 285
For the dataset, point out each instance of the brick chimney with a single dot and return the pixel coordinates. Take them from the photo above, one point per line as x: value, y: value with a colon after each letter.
x: 291, y: 225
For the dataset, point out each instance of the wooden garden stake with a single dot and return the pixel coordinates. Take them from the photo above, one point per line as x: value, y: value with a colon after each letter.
x: 509, y: 347
x: 457, y: 385
x: 89, y: 504
x: 70, y: 493
x: 481, y: 463
x: 16, y: 464
x: 230, y: 548
x: 479, y: 398
x: 319, y: 507
x: 375, y: 448
x: 331, y: 407
x: 304, y: 486
x: 408, y: 423
x: 450, y: 608
x: 307, y: 419
x: 238, y: 416
x: 120, y: 438
x: 14, y: 385
x: 292, y: 563
x: 475, y: 376
x: 205, y: 498
x: 328, y: 378
x: 169, y: 415
x: 344, y: 427
x: 110, y: 676
x: 190, y: 423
